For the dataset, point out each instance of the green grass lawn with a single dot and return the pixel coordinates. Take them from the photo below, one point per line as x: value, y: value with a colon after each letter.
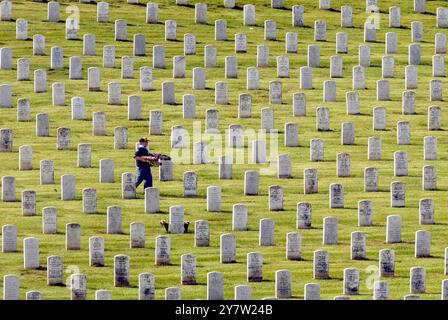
x: 171, y: 193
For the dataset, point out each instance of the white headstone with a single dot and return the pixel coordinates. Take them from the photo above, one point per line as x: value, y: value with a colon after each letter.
x: 313, y: 56
x: 397, y: 194
x: 63, y: 138
x: 387, y: 263
x: 393, y: 232
x: 418, y: 280
x: 109, y: 56
x: 310, y: 182
x: 419, y: 6
x: 138, y: 235
x: 403, y: 132
x: 21, y: 29
x: 343, y: 165
x: 227, y: 248
x: 381, y: 290
x: 244, y: 105
x: 155, y: 122
x: 23, y: 69
x: 322, y: 119
x: 28, y: 203
x: 411, y: 77
x: 89, y: 44
x: 189, y: 44
x: 254, y: 267
x: 200, y: 13
x: 72, y: 236
x: 163, y: 250
x: 440, y: 43
x: 120, y: 30
x: 336, y: 195
x: 168, y: 93
x: 201, y: 233
x: 330, y: 231
x: 365, y: 213
x: 249, y: 14
x: 96, y: 251
x: 400, y: 163
x: 215, y: 286
x: 5, y: 58
x: 358, y: 245
x: 78, y: 286
x: 303, y: 220
x: 49, y: 220
x: 46, y: 172
x: 210, y: 56
x: 146, y: 286
x: 102, y: 12
x: 329, y: 94
x: 53, y: 11
x: 321, y: 262
x: 422, y: 244
x: 54, y: 270
x: 379, y: 118
x: 297, y: 16
x: 75, y: 68
x: 442, y: 17
x: 128, y: 188
x: 283, y: 279
x: 359, y: 78
x: 336, y: 67
x: 267, y: 232
x: 68, y: 187
x: 434, y: 118
x: 40, y: 81
x: 11, y: 287
x: 188, y: 269
x: 23, y: 110
x: 346, y: 17
x: 213, y: 198
x: 351, y: 283
x: 251, y: 182
x: 374, y: 147
x: 127, y: 67
x: 9, y: 238
x: 121, y: 270
x: 31, y: 253
x: 146, y: 79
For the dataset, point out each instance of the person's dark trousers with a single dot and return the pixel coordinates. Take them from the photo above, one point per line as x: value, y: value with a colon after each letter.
x: 144, y: 173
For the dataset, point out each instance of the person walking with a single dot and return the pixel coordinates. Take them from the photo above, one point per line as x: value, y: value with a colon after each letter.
x: 142, y: 162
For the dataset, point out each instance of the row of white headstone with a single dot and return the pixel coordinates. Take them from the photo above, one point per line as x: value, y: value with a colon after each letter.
x: 251, y: 180
x: 270, y: 33
x: 210, y: 51
x: 249, y: 15
x: 215, y: 283
x: 251, y: 187
x: 177, y: 225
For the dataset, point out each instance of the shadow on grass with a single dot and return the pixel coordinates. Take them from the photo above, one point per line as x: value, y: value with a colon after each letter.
x: 187, y: 5
x: 58, y: 285
x: 333, y: 278
x: 302, y: 259
x: 91, y: 3
x: 365, y: 259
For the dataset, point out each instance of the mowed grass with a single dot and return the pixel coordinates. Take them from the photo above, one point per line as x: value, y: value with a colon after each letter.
x: 171, y: 193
